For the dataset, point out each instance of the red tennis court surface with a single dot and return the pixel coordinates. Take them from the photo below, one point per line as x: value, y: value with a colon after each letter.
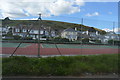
x: 33, y: 50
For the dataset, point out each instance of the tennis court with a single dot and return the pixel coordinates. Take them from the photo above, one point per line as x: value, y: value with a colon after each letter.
x: 15, y: 44
x: 76, y: 46
x: 23, y: 45
x: 57, y: 49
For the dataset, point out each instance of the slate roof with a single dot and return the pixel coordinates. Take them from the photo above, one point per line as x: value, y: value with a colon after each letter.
x: 70, y: 30
x: 91, y: 29
x: 83, y: 36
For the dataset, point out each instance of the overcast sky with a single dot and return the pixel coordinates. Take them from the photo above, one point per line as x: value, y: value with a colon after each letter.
x: 96, y: 13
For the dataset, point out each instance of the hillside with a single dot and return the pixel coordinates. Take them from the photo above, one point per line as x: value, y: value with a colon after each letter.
x: 57, y: 25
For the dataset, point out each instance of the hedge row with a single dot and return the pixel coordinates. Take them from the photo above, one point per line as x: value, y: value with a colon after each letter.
x: 60, y: 66
x: 49, y: 42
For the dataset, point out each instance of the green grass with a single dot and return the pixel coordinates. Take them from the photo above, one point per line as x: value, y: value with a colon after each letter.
x: 60, y: 66
x: 0, y: 66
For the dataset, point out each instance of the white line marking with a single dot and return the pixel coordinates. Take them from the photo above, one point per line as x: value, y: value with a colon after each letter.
x: 41, y: 45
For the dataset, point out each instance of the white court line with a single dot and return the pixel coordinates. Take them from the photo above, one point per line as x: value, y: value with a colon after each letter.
x: 41, y: 45
x: 27, y: 45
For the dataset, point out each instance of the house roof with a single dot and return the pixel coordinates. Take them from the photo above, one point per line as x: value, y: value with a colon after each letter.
x: 29, y: 27
x: 79, y: 32
x: 70, y: 30
x: 83, y: 36
x: 92, y: 29
x: 111, y: 32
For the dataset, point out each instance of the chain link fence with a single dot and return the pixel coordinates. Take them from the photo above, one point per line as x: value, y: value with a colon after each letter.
x: 74, y: 36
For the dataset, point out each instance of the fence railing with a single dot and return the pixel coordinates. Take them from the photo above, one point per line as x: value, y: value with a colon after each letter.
x: 84, y: 37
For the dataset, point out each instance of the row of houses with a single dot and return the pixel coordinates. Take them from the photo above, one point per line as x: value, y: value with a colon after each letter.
x: 70, y: 33
x: 29, y: 31
x: 92, y: 34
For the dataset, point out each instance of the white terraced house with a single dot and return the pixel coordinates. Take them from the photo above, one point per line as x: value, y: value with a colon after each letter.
x: 33, y: 32
x: 70, y: 34
x: 29, y: 31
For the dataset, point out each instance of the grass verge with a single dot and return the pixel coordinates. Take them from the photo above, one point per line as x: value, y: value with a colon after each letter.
x: 60, y: 66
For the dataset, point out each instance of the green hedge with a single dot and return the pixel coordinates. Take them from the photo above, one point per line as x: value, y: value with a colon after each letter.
x: 59, y: 39
x: 115, y: 42
x: 60, y: 66
x: 17, y: 37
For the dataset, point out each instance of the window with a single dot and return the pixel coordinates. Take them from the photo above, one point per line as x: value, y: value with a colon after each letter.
x: 17, y: 30
x: 31, y: 31
x: 107, y: 36
x: 24, y: 30
x: 36, y: 31
x: 112, y: 37
x: 41, y: 32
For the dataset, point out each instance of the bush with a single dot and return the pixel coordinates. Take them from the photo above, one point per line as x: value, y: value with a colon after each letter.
x: 59, y: 39
x: 96, y: 41
x: 85, y: 40
x: 27, y: 38
x: 117, y: 42
x: 44, y: 37
x: 110, y: 41
x: 17, y: 37
x: 60, y: 66
x: 114, y: 42
x: 65, y: 40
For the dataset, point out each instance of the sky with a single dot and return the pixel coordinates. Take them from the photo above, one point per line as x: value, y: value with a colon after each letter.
x: 102, y: 14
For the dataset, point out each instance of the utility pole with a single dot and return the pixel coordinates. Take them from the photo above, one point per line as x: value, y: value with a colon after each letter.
x: 81, y: 29
x: 39, y: 19
x: 113, y: 31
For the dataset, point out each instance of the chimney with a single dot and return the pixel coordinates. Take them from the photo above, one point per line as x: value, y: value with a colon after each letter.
x: 75, y: 29
x: 96, y: 32
x: 87, y: 32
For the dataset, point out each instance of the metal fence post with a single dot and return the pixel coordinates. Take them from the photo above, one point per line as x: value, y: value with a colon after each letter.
x: 39, y: 19
x: 113, y: 31
x: 81, y: 33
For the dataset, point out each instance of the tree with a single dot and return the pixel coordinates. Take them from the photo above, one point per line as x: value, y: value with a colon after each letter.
x: 103, y: 32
